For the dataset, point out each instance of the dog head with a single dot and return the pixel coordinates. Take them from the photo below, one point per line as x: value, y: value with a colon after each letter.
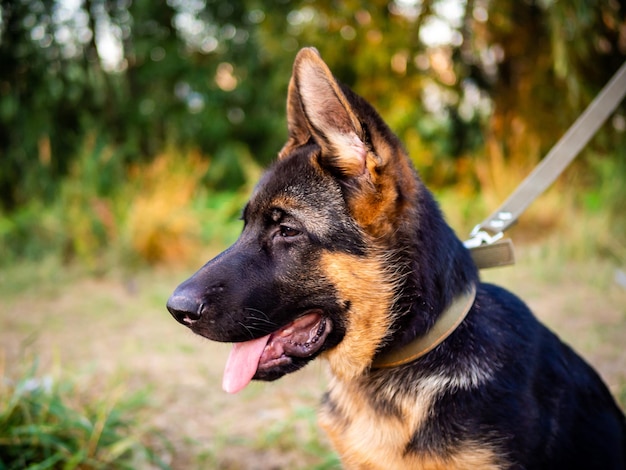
x: 321, y: 259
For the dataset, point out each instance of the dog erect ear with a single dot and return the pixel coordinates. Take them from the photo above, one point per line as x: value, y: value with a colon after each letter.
x: 317, y: 107
x: 297, y: 126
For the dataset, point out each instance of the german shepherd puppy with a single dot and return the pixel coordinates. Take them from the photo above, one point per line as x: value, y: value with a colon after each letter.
x: 345, y: 255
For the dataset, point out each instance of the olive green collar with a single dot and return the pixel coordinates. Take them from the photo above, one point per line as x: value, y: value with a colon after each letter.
x: 445, y: 325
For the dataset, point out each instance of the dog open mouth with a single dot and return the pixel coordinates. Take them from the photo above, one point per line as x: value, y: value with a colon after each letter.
x: 301, y: 338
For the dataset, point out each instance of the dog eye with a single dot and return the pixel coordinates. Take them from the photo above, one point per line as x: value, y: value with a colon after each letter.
x: 286, y: 231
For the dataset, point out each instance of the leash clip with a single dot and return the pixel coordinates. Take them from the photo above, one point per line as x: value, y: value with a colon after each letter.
x: 480, y: 237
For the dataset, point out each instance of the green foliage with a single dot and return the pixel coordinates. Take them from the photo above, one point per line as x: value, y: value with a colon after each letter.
x: 463, y: 84
x: 603, y: 206
x: 78, y: 222
x: 46, y: 424
x: 171, y: 83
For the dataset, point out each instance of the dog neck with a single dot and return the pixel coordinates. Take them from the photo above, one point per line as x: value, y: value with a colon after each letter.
x: 444, y: 326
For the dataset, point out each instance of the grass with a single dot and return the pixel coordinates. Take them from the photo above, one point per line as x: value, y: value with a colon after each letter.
x: 146, y: 390
x: 46, y: 423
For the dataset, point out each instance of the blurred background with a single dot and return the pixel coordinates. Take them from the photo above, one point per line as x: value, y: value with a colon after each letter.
x: 132, y: 132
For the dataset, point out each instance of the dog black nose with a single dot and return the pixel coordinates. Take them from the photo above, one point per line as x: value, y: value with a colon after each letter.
x: 184, y: 309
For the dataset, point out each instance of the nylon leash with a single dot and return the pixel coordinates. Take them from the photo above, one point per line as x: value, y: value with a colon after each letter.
x: 486, y: 244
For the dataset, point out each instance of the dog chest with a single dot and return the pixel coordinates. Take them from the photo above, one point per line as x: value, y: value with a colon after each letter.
x: 369, y: 433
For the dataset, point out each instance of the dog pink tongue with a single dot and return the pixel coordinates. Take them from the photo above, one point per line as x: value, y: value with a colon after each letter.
x: 242, y: 364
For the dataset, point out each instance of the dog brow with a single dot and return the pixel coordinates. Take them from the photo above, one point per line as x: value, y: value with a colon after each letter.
x: 276, y: 214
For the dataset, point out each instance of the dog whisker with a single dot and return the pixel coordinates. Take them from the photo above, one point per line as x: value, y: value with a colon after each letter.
x: 248, y: 329
x: 257, y: 311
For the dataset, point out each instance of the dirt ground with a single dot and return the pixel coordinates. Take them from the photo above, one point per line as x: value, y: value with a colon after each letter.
x: 115, y: 330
